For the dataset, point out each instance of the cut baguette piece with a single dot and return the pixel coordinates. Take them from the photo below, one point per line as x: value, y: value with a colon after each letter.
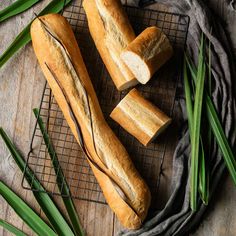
x: 62, y: 64
x: 111, y: 31
x: 147, y: 53
x: 139, y: 117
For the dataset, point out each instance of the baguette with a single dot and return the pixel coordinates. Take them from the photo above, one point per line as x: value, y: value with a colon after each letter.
x: 139, y: 117
x: 111, y: 32
x: 147, y: 53
x: 62, y: 64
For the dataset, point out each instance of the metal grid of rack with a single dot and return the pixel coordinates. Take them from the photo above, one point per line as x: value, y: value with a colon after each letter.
x: 160, y: 90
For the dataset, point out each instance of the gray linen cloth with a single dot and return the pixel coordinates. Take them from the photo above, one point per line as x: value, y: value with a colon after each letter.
x: 177, y: 218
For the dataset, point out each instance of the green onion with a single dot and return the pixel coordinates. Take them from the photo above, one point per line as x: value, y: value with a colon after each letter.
x: 203, y: 170
x: 203, y: 176
x: 24, y: 37
x: 25, y: 212
x: 216, y: 128
x: 209, y: 67
x: 16, y: 8
x: 11, y: 228
x: 221, y: 138
x: 61, y: 182
x: 191, y: 68
x: 189, y: 109
x: 188, y: 99
x: 204, y: 180
x: 21, y: 40
x: 46, y: 203
x: 196, y: 127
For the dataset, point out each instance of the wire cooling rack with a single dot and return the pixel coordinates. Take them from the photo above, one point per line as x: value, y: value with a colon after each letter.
x: 160, y: 90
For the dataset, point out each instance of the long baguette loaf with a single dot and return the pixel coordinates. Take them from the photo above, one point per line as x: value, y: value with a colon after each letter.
x: 60, y: 59
x: 111, y: 32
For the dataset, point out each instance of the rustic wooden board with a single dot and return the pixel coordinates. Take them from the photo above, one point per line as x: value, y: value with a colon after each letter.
x: 21, y: 85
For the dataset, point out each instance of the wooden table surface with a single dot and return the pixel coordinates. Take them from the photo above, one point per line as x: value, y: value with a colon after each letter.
x: 21, y: 85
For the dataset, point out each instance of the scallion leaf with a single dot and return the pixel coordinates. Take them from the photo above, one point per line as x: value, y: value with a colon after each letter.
x: 189, y: 109
x: 15, y: 8
x: 221, y: 138
x: 46, y: 203
x: 61, y: 181
x: 188, y: 98
x: 196, y: 127
x: 11, y: 228
x: 203, y: 178
x: 216, y: 127
x: 25, y: 212
x: 24, y: 37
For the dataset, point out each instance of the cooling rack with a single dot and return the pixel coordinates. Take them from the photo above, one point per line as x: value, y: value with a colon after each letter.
x: 161, y: 90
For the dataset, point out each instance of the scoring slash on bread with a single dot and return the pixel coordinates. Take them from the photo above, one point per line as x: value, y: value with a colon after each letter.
x: 111, y: 32
x: 62, y: 64
x: 139, y: 117
x: 147, y: 53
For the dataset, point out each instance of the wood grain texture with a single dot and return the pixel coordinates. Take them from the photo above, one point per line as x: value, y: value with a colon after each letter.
x: 21, y: 85
x: 12, y: 87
